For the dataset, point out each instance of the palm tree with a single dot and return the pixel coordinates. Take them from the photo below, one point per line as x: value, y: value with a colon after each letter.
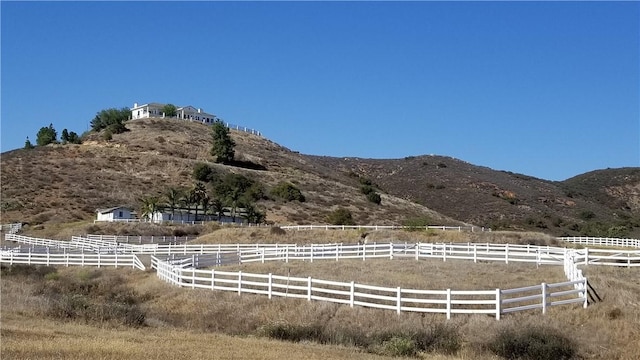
x: 234, y: 198
x: 187, y: 200
x: 253, y: 215
x: 217, y: 207
x: 173, y: 196
x: 149, y: 207
x: 205, y: 202
x: 196, y: 194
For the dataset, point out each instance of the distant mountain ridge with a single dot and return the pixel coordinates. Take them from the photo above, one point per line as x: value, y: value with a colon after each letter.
x: 61, y: 183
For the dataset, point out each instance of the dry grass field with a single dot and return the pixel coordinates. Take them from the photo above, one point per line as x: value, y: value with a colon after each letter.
x: 51, y: 313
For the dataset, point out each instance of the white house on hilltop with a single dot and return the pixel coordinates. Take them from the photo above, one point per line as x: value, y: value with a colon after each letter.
x: 185, y: 113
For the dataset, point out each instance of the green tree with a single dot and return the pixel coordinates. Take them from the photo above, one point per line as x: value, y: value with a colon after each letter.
x: 217, y: 208
x: 203, y: 172
x: 46, y: 135
x: 287, y: 192
x: 173, y: 196
x: 149, y: 206
x: 170, y: 110
x: 64, y: 136
x: 74, y: 138
x: 28, y: 144
x: 223, y: 144
x: 253, y: 215
x: 340, y: 216
x: 112, y: 119
x: 196, y: 194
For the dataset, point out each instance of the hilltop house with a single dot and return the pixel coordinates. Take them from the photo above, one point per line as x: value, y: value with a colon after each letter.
x: 185, y: 113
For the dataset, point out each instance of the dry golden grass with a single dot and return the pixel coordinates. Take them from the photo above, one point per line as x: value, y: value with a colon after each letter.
x: 178, y: 318
x: 29, y: 338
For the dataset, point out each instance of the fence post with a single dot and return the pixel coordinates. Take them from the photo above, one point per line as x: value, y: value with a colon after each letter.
x: 399, y: 301
x: 584, y: 305
x: 239, y: 282
x: 309, y: 288
x: 543, y: 287
x: 262, y: 255
x: 444, y: 252
x: 311, y: 247
x: 448, y: 304
x: 193, y: 278
x: 498, y: 304
x: 506, y: 254
x: 213, y: 279
x: 475, y: 253
x: 391, y: 250
x: 417, y: 251
x: 586, y: 256
x: 352, y: 293
x: 270, y: 284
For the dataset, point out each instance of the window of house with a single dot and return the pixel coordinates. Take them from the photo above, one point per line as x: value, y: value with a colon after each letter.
x: 120, y: 214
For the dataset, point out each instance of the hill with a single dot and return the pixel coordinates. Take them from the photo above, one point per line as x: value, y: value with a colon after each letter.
x: 62, y: 183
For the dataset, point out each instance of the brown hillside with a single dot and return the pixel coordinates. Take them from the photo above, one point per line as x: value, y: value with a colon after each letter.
x: 591, y: 204
x: 61, y: 183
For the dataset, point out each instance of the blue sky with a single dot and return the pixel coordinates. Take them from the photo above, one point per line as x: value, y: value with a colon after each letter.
x: 546, y: 89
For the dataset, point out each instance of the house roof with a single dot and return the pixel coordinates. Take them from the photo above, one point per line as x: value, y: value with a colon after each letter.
x: 104, y: 211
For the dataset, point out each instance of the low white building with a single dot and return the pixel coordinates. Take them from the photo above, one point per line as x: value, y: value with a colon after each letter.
x: 118, y: 213
x: 182, y: 216
x: 184, y: 113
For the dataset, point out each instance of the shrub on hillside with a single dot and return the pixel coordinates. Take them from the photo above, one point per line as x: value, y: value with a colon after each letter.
x: 287, y: 192
x: 532, y: 343
x: 203, y: 172
x: 374, y: 197
x: 91, y: 296
x: 340, y: 216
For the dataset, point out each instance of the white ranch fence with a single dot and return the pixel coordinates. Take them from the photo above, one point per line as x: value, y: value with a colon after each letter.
x: 600, y: 241
x: 384, y: 227
x: 69, y: 259
x: 183, y: 272
x: 11, y: 228
x: 180, y: 265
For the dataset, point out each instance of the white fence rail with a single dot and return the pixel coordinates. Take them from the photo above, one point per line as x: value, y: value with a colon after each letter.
x: 129, y: 239
x: 11, y: 228
x: 384, y: 227
x: 600, y: 241
x: 494, y: 302
x: 41, y: 242
x: 69, y: 259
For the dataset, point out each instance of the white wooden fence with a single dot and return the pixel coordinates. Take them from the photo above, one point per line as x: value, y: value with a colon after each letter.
x: 540, y: 255
x: 384, y: 227
x: 82, y: 259
x: 13, y: 228
x: 130, y: 239
x: 494, y: 302
x: 600, y: 241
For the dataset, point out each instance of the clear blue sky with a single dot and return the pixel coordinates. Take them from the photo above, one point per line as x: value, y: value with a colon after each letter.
x: 546, y: 89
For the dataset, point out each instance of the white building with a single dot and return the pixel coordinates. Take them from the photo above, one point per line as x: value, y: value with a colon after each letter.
x: 182, y: 216
x: 185, y: 113
x: 118, y: 213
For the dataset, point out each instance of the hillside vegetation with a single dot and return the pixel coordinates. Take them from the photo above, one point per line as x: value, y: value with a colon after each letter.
x: 63, y: 183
